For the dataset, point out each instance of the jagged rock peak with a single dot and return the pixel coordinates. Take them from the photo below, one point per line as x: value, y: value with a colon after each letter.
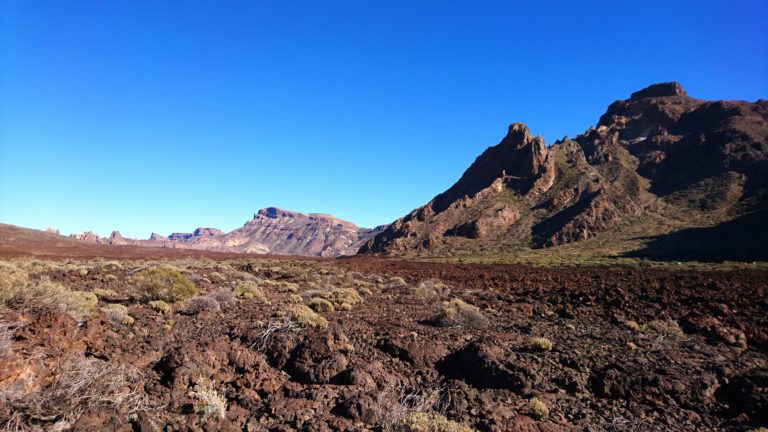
x: 660, y: 90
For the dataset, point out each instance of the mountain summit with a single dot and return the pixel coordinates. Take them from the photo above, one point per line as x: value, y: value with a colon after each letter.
x: 659, y: 167
x: 271, y: 231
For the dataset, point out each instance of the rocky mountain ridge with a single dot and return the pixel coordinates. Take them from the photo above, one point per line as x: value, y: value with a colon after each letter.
x: 660, y: 160
x: 271, y: 231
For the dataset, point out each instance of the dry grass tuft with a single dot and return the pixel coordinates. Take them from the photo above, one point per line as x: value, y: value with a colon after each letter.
x: 537, y: 408
x: 106, y: 294
x: 160, y: 306
x: 457, y: 313
x: 541, y: 344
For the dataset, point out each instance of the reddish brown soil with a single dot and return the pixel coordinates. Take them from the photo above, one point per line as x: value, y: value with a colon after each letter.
x: 599, y: 375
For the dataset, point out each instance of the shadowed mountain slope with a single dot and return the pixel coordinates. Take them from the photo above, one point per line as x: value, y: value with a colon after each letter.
x: 657, y: 163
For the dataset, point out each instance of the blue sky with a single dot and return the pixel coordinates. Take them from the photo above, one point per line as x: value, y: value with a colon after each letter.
x: 164, y: 116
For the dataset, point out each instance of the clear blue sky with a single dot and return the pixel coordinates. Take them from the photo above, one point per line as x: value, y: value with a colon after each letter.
x: 163, y: 116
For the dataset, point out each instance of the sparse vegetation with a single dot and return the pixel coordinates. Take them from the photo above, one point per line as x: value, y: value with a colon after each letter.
x: 249, y: 289
x: 457, y: 313
x: 428, y: 422
x: 223, y: 296
x: 541, y: 344
x: 319, y: 304
x: 160, y: 306
x: 342, y: 296
x: 118, y: 314
x: 537, y: 408
x: 668, y: 327
x: 306, y: 317
x: 201, y: 304
x: 209, y: 405
x: 105, y: 293
x: 81, y: 383
x: 166, y: 284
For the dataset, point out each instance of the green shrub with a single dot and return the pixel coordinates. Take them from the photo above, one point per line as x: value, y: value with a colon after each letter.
x: 165, y: 284
x: 248, y: 289
x: 457, y: 313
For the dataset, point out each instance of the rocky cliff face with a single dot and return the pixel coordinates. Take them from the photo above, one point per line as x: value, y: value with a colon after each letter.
x: 271, y: 231
x: 659, y: 153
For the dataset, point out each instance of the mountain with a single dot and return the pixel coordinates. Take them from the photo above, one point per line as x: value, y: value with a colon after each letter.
x: 271, y: 231
x: 663, y: 175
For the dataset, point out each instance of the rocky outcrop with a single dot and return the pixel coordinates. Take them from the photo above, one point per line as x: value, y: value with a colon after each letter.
x: 660, y: 152
x: 271, y: 231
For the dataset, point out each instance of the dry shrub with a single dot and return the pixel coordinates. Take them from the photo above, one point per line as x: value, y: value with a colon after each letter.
x: 430, y: 290
x: 6, y: 340
x: 45, y: 296
x: 306, y: 317
x: 208, y: 404
x: 249, y: 289
x: 223, y: 296
x: 198, y: 305
x: 166, y: 284
x: 319, y: 304
x: 400, y: 410
x: 81, y: 383
x: 429, y: 422
x: 457, y: 313
x: 272, y: 328
x: 12, y: 278
x: 295, y: 298
x: 117, y: 314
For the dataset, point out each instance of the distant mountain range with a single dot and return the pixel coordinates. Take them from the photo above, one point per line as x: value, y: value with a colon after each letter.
x: 663, y: 175
x: 271, y: 231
